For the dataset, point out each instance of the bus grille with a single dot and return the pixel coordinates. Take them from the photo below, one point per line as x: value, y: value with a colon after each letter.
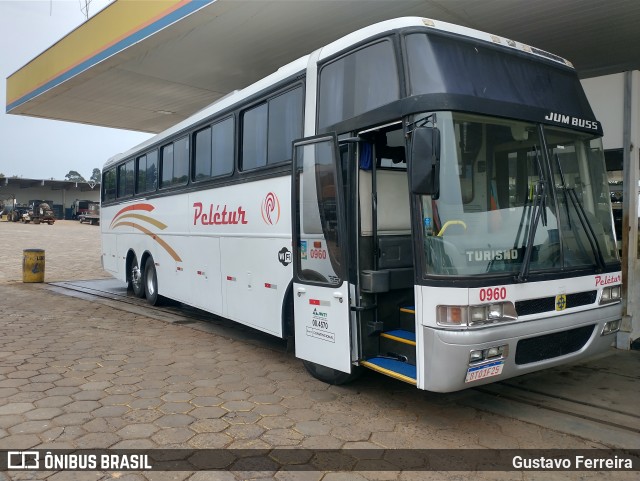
x: 553, y: 345
x: 546, y: 304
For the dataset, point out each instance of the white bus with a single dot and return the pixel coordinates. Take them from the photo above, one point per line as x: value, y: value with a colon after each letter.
x: 417, y: 198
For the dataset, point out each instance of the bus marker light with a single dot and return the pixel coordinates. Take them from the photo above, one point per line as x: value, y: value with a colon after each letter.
x: 318, y: 302
x: 611, y: 327
x: 493, y: 353
x: 476, y: 356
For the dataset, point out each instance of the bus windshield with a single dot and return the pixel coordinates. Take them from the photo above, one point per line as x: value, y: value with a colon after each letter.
x: 516, y: 197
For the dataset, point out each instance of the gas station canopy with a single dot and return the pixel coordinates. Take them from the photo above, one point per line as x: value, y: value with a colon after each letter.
x: 146, y: 65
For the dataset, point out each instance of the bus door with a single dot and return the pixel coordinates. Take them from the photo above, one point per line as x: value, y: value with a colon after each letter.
x: 321, y: 288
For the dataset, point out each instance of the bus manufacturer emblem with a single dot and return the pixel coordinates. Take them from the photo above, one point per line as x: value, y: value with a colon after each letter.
x: 561, y: 302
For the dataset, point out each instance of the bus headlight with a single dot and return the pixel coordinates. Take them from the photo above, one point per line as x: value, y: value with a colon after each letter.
x: 610, y: 294
x: 476, y: 315
x: 492, y: 313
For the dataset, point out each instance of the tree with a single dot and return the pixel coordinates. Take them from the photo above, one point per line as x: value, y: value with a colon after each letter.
x: 96, y: 175
x: 75, y: 176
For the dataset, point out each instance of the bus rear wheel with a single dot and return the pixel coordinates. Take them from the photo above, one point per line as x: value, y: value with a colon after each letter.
x: 151, y: 283
x: 332, y: 376
x: 136, y: 278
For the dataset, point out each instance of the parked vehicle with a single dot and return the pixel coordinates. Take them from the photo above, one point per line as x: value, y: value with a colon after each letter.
x: 92, y: 214
x: 80, y: 208
x: 39, y: 212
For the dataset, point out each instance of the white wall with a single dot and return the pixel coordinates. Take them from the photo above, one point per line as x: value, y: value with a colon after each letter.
x: 606, y: 96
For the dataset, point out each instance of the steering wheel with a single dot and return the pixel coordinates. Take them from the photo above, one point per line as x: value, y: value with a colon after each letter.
x: 451, y: 222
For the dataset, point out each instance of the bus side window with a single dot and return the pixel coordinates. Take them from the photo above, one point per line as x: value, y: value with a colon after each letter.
x: 269, y: 129
x: 357, y: 83
x: 175, y: 163
x: 147, y: 172
x: 254, y: 137
x: 213, y: 151
x: 222, y: 140
x: 109, y: 183
x: 125, y: 179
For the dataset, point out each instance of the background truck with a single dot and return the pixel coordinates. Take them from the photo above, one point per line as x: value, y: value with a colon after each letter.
x: 92, y: 214
x: 40, y: 211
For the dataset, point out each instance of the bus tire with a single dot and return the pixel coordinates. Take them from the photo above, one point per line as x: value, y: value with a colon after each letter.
x: 331, y: 376
x: 136, y: 278
x: 151, y: 283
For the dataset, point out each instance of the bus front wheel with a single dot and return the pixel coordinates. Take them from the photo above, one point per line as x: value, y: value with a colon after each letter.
x: 331, y: 376
x: 151, y: 282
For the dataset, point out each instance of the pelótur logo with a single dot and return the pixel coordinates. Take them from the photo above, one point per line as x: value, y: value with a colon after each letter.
x: 271, y: 209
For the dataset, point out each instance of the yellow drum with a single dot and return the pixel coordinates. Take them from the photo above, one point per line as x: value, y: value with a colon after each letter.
x: 33, y: 265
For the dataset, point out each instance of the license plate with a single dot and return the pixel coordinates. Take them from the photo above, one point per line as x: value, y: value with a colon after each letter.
x: 486, y: 370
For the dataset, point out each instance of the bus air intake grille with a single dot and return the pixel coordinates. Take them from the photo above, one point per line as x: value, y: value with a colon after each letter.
x: 546, y: 304
x: 553, y: 345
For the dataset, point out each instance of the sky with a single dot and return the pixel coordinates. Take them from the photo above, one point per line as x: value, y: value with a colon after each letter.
x: 40, y: 148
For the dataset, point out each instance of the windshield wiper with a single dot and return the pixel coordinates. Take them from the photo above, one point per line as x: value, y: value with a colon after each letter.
x: 539, y: 192
x: 538, y: 211
x: 582, y: 217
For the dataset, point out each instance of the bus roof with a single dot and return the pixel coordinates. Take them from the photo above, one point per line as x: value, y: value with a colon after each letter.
x: 299, y: 65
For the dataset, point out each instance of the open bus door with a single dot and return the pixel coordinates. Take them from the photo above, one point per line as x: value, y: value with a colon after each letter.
x: 321, y: 288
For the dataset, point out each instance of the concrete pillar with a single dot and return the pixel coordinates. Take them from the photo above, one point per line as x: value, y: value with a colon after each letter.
x: 615, y: 100
x: 631, y: 208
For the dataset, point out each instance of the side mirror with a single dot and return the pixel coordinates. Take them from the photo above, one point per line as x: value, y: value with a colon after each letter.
x: 424, y: 164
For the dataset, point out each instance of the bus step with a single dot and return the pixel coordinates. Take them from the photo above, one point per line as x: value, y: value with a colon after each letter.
x: 400, y: 335
x: 392, y: 368
x: 408, y: 309
x: 407, y: 319
x: 399, y: 344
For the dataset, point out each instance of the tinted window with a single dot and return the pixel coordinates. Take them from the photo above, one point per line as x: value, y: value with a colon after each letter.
x: 202, y: 154
x: 125, y: 179
x: 181, y: 161
x: 222, y: 150
x: 357, y: 83
x: 109, y: 185
x: 175, y: 163
x: 269, y: 129
x: 254, y: 138
x: 443, y: 65
x: 214, y: 150
x: 152, y: 171
x: 285, y: 124
x: 141, y: 169
x: 147, y: 172
x: 167, y: 165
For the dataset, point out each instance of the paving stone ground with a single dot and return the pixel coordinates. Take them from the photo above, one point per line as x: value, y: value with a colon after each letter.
x: 80, y: 374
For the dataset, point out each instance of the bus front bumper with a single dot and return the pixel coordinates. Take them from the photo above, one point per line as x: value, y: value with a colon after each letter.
x: 528, y: 346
